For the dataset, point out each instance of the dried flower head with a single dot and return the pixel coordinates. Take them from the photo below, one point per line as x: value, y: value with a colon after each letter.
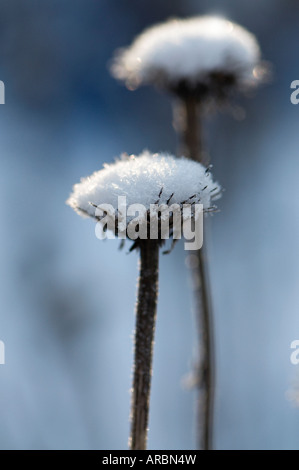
x: 202, y: 54
x: 147, y: 179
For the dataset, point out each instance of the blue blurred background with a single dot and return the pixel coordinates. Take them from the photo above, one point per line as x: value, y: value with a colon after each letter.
x: 67, y: 299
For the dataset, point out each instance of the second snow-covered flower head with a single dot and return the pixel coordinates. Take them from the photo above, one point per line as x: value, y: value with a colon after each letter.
x: 194, y: 54
x: 146, y: 180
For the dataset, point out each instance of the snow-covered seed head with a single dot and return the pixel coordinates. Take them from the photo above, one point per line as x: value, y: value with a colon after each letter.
x: 204, y: 55
x: 147, y: 179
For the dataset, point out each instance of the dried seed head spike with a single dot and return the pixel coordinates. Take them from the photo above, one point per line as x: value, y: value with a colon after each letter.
x: 173, y: 243
x: 160, y: 192
x: 208, y: 169
x: 122, y: 244
x: 169, y: 199
x: 189, y: 199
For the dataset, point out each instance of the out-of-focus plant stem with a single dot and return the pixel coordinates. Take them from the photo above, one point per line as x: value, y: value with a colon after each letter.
x: 187, y: 122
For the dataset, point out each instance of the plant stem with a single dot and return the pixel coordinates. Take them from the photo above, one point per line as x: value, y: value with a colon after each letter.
x: 192, y: 138
x: 205, y: 374
x: 144, y: 341
x: 191, y: 135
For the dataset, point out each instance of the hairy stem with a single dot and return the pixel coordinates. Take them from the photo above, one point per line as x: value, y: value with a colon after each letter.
x: 144, y: 341
x: 190, y: 130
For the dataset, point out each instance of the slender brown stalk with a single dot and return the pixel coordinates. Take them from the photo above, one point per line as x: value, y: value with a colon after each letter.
x: 191, y: 130
x: 205, y: 372
x: 144, y: 341
x: 191, y: 135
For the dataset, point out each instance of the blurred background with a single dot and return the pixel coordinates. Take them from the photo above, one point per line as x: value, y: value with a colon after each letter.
x: 67, y: 299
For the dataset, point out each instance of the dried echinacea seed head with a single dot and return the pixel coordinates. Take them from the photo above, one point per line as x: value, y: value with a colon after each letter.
x: 156, y: 186
x: 203, y: 55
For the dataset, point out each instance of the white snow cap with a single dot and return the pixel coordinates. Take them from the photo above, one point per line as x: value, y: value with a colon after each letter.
x: 145, y: 179
x: 189, y: 50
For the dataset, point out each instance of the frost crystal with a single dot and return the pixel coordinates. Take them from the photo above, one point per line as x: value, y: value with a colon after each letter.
x: 145, y: 179
x: 191, y: 53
